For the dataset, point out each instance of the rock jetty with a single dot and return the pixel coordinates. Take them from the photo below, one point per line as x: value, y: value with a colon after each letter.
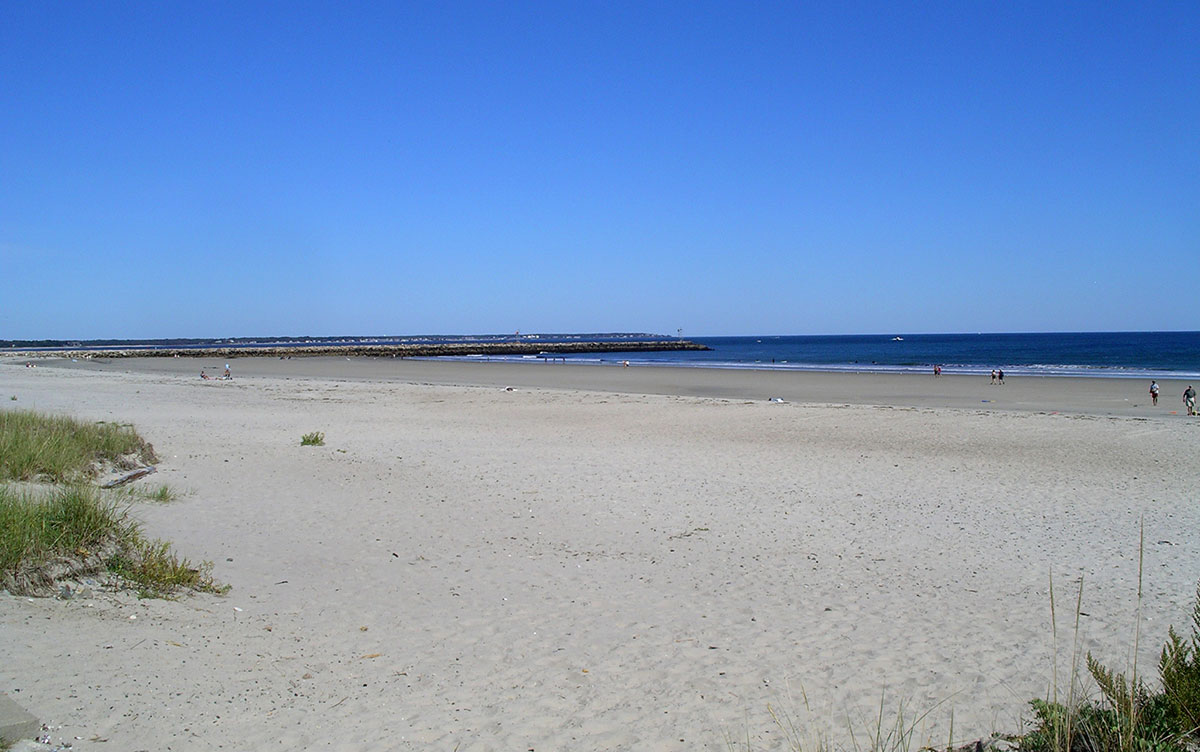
x: 424, y: 350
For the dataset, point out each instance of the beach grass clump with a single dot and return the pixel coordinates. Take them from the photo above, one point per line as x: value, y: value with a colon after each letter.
x: 157, y: 571
x: 34, y: 446
x: 316, y: 438
x: 1128, y: 716
x: 162, y: 494
x: 37, y: 527
x: 894, y: 726
x: 70, y: 531
x: 1179, y: 671
x: 70, y: 528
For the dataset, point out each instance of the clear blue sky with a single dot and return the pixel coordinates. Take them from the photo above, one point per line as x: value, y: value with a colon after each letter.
x: 235, y: 169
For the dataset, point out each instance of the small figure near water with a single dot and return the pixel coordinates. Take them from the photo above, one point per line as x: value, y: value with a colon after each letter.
x: 993, y: 375
x: 227, y: 374
x: 937, y: 371
x: 1189, y: 399
x: 204, y: 375
x: 1000, y: 375
x: 1153, y: 392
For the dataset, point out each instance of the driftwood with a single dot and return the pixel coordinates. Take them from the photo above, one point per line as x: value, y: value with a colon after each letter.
x: 140, y: 472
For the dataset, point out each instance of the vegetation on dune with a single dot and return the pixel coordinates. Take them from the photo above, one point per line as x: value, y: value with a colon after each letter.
x: 158, y: 572
x: 68, y: 527
x: 162, y: 494
x: 59, y: 449
x: 1125, y: 715
x: 316, y: 438
x: 37, y: 526
x: 1128, y: 716
x: 70, y: 531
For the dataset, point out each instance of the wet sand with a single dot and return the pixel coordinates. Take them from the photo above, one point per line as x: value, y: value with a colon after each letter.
x: 1093, y: 396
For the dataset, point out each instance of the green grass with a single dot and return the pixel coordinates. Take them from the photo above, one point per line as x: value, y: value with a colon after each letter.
x: 162, y: 494
x: 38, y: 526
x: 72, y: 528
x: 158, y: 572
x: 58, y: 449
x: 316, y: 438
x: 1128, y: 715
x: 1122, y: 714
x: 69, y: 527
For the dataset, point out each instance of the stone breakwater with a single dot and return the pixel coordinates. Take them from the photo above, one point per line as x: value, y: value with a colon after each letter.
x: 394, y: 351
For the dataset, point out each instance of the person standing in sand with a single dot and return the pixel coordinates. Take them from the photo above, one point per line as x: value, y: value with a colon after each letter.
x: 993, y: 375
x: 1189, y: 399
x: 1000, y: 375
x: 1154, y: 392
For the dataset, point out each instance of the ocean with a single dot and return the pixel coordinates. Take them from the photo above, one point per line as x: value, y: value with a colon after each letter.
x: 1158, y: 355
x: 1093, y: 354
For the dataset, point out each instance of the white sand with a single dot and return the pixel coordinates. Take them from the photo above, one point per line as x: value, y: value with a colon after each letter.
x: 557, y: 569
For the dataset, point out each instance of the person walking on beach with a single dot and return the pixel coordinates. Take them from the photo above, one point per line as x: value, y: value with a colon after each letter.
x: 993, y: 375
x: 1154, y: 392
x: 1000, y: 374
x: 1189, y: 399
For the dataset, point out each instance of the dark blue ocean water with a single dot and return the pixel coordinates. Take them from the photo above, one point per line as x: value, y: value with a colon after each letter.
x: 1096, y: 354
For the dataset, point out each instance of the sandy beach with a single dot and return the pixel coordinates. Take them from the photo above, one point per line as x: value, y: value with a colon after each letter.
x: 506, y: 556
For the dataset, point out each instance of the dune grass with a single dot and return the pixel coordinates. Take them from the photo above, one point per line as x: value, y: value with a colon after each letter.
x: 158, y: 572
x: 1122, y: 714
x: 163, y: 494
x: 58, y: 449
x: 892, y: 728
x: 75, y: 530
x: 316, y: 438
x: 1128, y: 715
x: 70, y: 528
x: 36, y: 527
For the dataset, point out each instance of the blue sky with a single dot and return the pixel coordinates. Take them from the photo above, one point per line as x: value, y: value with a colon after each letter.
x: 237, y: 169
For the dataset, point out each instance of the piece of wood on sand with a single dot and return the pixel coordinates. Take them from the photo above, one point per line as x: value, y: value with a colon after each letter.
x: 134, y: 475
